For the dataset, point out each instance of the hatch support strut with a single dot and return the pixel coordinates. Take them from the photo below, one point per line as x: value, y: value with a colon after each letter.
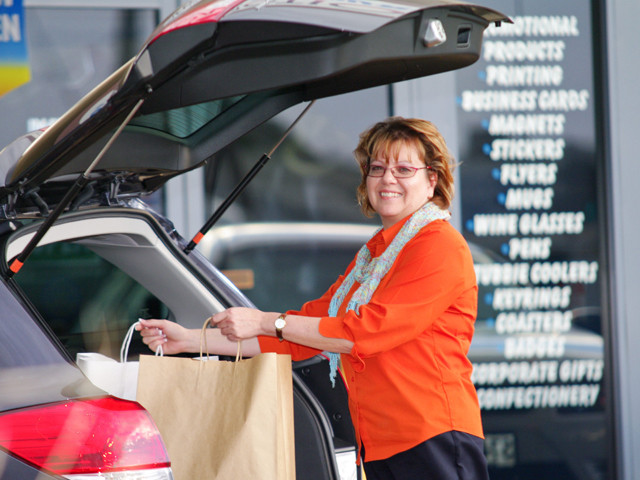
x: 241, y: 186
x: 77, y: 186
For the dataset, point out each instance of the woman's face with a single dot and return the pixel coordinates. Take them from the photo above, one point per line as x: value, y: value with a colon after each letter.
x: 395, y: 198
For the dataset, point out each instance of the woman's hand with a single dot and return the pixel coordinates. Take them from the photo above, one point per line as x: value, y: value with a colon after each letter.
x: 241, y: 323
x: 173, y: 338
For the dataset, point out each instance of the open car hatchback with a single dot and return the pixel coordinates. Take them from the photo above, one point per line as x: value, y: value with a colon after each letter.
x: 84, y: 257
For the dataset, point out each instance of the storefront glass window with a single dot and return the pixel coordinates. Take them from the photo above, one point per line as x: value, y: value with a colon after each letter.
x: 70, y: 51
x: 530, y: 196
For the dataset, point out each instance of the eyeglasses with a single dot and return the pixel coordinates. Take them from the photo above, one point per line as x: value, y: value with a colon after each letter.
x: 399, y: 171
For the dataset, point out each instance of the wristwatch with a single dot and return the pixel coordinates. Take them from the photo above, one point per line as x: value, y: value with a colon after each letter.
x: 280, y: 324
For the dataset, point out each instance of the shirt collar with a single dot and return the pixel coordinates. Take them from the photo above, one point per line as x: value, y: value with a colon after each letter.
x: 383, y: 238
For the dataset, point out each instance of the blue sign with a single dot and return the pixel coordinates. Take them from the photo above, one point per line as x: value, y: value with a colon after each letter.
x: 14, y: 62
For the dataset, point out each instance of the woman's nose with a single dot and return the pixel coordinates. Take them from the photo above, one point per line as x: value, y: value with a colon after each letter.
x: 388, y: 176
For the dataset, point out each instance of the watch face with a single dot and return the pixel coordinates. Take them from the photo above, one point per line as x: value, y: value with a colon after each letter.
x: 280, y: 323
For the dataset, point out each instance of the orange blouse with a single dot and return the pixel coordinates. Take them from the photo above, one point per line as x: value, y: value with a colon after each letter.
x: 408, y: 374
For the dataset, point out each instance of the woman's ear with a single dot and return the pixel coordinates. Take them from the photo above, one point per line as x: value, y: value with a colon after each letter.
x: 433, y: 178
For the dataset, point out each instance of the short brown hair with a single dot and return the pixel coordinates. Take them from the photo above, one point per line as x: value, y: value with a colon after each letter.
x: 383, y: 138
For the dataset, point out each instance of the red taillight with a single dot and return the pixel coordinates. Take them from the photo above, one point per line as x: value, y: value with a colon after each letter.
x: 84, y: 436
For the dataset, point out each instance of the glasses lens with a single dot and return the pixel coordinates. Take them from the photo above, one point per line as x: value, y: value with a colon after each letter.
x: 398, y: 172
x: 403, y: 172
x: 377, y: 170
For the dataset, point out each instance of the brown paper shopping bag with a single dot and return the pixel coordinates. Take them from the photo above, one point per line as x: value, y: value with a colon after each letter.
x: 222, y: 420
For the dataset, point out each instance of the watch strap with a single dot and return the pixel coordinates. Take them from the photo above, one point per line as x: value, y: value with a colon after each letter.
x: 280, y: 323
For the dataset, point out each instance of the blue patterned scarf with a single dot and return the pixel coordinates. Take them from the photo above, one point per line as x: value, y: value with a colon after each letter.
x: 369, y: 272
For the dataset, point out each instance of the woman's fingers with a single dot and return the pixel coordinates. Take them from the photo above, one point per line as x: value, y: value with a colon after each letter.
x: 169, y: 335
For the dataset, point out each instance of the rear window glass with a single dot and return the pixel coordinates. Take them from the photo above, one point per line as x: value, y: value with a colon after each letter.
x: 185, y: 121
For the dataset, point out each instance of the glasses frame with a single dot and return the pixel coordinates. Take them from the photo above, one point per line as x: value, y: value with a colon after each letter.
x: 413, y: 169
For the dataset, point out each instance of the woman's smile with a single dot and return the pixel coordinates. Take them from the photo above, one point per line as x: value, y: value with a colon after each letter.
x: 390, y: 194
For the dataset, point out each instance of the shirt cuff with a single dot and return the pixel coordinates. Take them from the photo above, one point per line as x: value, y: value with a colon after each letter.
x: 333, y: 327
x: 297, y: 352
x: 272, y: 344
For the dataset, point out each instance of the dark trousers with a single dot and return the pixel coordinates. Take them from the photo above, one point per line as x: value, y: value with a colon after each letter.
x: 449, y: 456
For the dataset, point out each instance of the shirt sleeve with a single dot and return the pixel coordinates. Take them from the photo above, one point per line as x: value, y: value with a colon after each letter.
x: 433, y: 270
x: 314, y: 308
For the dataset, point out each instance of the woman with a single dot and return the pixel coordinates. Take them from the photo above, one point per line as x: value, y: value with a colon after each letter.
x: 401, y: 317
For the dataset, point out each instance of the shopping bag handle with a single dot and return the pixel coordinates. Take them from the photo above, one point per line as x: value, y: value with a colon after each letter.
x: 203, y: 342
x: 124, y: 349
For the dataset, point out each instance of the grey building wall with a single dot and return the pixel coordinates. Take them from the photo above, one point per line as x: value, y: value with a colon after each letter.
x: 623, y: 74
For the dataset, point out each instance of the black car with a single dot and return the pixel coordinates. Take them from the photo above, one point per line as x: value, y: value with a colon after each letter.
x: 84, y: 257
